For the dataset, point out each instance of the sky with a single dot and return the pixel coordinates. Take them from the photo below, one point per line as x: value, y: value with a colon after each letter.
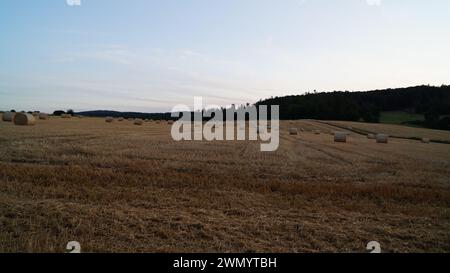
x: 150, y: 55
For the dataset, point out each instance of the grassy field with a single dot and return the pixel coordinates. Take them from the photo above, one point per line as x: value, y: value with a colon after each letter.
x: 124, y: 188
x: 400, y: 118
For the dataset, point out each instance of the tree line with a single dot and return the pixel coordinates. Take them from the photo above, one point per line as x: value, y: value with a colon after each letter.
x: 432, y: 102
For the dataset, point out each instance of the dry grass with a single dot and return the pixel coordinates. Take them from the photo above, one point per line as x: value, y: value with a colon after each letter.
x: 116, y: 187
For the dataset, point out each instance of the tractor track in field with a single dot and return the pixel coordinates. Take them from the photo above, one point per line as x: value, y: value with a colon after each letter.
x: 292, y: 155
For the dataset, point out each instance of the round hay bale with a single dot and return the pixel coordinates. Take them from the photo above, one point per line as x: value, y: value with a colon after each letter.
x: 382, y: 138
x: 340, y: 137
x: 293, y: 131
x: 109, y: 119
x: 35, y: 114
x: 120, y: 119
x: 24, y: 119
x: 371, y: 136
x: 138, y: 121
x: 43, y: 116
x: 66, y: 116
x: 426, y: 140
x: 8, y: 116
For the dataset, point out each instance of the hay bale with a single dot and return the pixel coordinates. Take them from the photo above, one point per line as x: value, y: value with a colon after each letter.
x: 138, y: 121
x: 24, y: 119
x: 43, y: 116
x: 340, y: 137
x: 426, y: 140
x: 66, y: 116
x: 293, y: 131
x: 35, y: 114
x: 120, y: 119
x: 382, y: 138
x: 371, y: 136
x: 109, y: 119
x: 8, y: 116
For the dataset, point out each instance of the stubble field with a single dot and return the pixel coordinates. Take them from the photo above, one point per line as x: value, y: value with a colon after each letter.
x: 124, y: 188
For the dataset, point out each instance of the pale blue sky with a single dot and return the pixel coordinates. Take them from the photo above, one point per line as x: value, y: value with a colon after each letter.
x: 149, y: 55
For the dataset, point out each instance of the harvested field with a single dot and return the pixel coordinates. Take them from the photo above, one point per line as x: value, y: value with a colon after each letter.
x: 397, y: 130
x: 117, y: 187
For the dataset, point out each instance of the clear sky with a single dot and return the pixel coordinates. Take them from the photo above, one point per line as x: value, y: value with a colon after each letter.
x: 149, y: 55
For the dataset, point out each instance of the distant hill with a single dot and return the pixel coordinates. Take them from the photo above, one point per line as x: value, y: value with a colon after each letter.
x: 431, y: 102
x: 428, y: 105
x: 107, y: 113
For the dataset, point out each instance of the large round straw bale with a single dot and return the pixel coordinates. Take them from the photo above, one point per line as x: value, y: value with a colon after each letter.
x: 371, y: 136
x: 340, y: 137
x: 35, y: 114
x: 382, y: 138
x: 138, y: 121
x: 120, y: 119
x: 293, y: 131
x: 8, y: 116
x: 425, y: 140
x: 66, y: 116
x: 109, y: 119
x: 24, y: 119
x: 43, y: 116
